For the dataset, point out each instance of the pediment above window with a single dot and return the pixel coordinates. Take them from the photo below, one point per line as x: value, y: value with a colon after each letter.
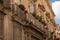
x: 41, y: 7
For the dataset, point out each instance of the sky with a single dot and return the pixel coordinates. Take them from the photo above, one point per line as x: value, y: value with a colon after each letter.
x: 56, y: 8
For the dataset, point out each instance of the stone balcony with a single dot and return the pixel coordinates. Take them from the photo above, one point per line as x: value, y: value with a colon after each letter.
x: 23, y: 17
x: 31, y: 19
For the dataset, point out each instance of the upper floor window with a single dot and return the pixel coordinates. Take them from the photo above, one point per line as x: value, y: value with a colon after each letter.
x: 17, y: 1
x: 41, y: 7
x: 48, y: 14
x: 31, y: 7
x: 22, y: 7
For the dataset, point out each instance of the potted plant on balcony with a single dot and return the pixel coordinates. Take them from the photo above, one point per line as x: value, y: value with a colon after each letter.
x: 42, y: 21
x: 40, y: 18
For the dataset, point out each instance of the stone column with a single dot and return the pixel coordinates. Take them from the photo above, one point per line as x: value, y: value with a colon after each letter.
x: 29, y: 37
x: 8, y: 27
x: 29, y: 34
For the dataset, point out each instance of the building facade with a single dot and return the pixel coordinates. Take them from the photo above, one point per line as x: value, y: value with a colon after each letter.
x: 26, y: 20
x: 57, y: 32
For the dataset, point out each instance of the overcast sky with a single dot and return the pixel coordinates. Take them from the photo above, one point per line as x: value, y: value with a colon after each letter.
x: 56, y: 9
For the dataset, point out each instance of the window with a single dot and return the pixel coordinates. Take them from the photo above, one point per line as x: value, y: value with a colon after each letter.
x: 22, y: 7
x: 15, y: 5
x: 14, y: 8
x: 31, y: 7
x: 17, y: 2
x: 48, y: 14
x: 41, y: 7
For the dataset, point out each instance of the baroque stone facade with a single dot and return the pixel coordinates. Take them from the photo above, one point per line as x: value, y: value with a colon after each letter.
x: 26, y: 20
x: 57, y: 32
